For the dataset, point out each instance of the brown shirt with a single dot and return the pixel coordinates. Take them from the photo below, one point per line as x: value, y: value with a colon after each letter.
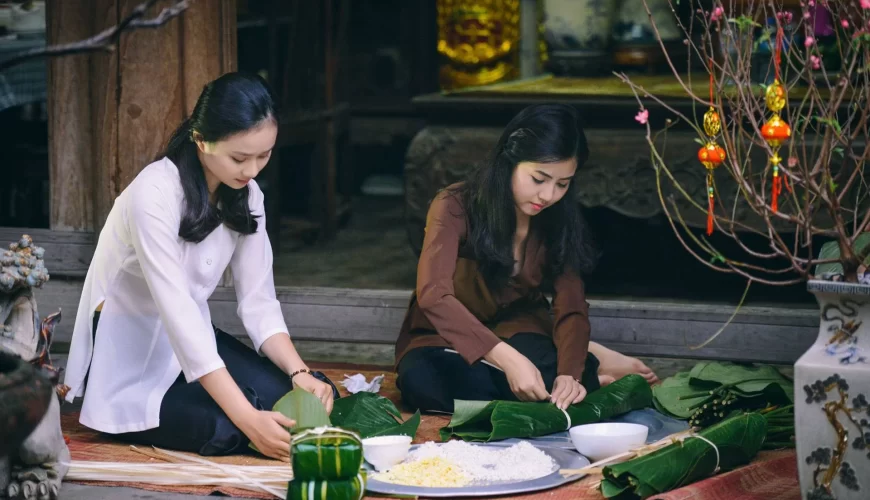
x: 453, y: 307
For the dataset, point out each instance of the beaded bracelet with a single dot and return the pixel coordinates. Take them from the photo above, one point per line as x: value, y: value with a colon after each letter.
x: 297, y: 372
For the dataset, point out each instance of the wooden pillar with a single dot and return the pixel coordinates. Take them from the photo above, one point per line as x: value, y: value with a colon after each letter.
x: 111, y: 112
x: 69, y: 118
x: 104, y: 117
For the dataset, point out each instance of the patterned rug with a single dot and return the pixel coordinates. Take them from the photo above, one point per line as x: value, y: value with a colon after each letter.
x: 773, y: 475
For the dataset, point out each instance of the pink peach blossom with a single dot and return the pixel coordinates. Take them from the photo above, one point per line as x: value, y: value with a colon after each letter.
x: 642, y: 116
x: 816, y: 62
x: 865, y: 4
x: 844, y: 23
x: 809, y: 41
x: 717, y: 14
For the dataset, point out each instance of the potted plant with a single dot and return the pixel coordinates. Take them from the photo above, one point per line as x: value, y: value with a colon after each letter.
x: 785, y: 165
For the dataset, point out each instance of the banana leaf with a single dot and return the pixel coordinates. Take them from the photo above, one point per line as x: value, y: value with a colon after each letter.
x: 371, y: 415
x: 326, y: 453
x: 738, y: 440
x: 304, y: 408
x: 712, y: 391
x: 325, y: 489
x: 496, y: 420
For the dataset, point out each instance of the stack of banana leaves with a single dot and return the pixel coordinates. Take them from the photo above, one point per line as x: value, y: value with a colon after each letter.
x: 712, y: 391
x: 326, y: 449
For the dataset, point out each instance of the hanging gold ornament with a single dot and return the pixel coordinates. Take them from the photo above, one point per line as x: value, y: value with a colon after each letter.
x: 711, y: 154
x: 776, y: 130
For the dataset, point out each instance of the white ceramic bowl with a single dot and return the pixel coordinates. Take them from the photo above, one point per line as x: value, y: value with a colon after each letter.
x: 384, y: 452
x: 600, y: 441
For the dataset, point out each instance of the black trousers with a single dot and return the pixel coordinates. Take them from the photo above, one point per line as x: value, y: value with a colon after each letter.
x: 190, y: 420
x: 430, y: 378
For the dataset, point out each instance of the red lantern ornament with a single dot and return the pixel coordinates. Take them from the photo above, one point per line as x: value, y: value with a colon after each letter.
x: 776, y: 131
x: 711, y: 155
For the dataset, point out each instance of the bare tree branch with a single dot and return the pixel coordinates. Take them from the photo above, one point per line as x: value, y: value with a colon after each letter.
x: 108, y: 38
x: 822, y: 163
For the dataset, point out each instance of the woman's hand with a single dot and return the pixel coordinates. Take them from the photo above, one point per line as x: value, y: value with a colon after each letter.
x: 268, y: 431
x: 567, y: 391
x: 322, y: 390
x: 523, y: 376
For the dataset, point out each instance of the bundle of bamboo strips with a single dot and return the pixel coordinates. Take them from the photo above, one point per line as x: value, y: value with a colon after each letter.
x: 185, y: 470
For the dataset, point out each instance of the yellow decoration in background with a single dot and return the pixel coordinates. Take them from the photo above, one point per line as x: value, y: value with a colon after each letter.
x: 479, y: 41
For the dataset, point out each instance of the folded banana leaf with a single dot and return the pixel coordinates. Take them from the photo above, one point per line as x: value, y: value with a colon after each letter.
x: 325, y: 489
x: 737, y: 439
x: 326, y: 453
x: 302, y: 407
x: 496, y: 420
x: 712, y: 391
x: 371, y: 415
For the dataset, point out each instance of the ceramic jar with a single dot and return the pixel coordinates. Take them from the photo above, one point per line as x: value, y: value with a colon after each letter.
x: 579, y: 34
x: 832, y: 396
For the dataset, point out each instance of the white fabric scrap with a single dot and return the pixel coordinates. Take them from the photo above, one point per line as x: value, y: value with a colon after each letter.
x: 357, y: 383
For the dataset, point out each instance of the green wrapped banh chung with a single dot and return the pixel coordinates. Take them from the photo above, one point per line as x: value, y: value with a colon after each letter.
x: 328, y: 489
x: 326, y: 453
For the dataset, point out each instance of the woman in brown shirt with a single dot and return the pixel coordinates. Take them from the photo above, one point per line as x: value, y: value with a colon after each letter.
x: 479, y: 326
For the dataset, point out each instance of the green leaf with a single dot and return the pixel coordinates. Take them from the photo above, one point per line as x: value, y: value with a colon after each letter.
x: 829, y: 122
x: 496, y: 420
x: 677, y: 397
x: 737, y: 440
x: 698, y: 394
x: 839, y: 151
x: 831, y: 250
x: 406, y: 428
x: 699, y: 141
x: 372, y: 415
x: 303, y: 407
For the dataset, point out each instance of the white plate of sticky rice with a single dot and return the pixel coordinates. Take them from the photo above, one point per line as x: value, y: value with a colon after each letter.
x: 458, y: 468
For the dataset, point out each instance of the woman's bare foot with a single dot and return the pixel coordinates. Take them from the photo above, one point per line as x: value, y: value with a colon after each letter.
x: 617, y: 365
x: 604, y: 380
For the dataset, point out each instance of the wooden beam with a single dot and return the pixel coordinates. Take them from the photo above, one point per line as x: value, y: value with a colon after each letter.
x: 70, y: 138
x: 636, y: 328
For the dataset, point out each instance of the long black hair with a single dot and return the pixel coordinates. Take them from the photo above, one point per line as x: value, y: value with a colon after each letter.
x: 542, y: 133
x: 235, y: 102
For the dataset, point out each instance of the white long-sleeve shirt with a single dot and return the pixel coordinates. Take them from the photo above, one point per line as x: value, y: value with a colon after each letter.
x: 154, y: 286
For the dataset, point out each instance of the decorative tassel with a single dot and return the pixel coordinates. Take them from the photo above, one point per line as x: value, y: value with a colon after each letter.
x: 776, y: 189
x: 710, y: 204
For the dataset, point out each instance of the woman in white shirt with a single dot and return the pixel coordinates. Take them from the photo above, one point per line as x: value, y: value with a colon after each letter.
x: 144, y: 354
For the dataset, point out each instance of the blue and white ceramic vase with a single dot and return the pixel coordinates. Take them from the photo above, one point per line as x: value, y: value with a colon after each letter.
x: 832, y: 397
x: 579, y: 35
